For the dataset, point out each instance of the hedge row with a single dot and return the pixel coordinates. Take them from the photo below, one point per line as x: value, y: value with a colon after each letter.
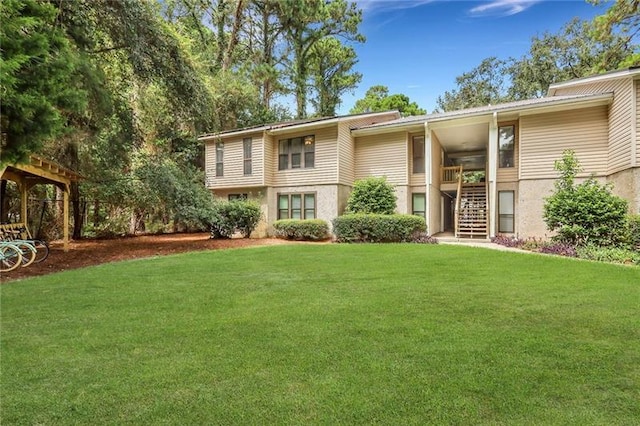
x: 309, y: 229
x: 377, y: 228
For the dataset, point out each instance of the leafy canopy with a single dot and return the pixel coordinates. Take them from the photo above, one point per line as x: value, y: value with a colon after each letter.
x: 377, y: 98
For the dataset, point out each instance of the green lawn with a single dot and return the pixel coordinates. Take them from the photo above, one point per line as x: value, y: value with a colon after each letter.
x: 325, y: 334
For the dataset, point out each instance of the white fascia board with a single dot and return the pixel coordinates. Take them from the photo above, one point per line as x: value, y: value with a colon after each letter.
x: 232, y: 133
x: 567, y: 104
x: 412, y: 127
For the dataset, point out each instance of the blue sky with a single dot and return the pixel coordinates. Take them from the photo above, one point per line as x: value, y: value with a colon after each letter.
x: 419, y: 47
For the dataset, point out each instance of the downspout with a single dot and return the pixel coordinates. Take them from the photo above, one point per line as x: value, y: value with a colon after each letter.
x: 493, y: 170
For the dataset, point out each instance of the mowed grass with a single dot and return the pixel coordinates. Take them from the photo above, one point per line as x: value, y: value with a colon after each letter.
x: 325, y: 334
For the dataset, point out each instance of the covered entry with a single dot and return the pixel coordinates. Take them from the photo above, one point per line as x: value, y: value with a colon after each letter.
x: 41, y: 171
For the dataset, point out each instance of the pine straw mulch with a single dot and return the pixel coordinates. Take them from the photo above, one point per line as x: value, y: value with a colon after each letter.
x: 93, y: 252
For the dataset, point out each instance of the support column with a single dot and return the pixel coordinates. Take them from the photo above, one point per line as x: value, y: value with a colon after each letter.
x: 492, y: 172
x: 24, y: 199
x: 65, y: 217
x: 428, y: 176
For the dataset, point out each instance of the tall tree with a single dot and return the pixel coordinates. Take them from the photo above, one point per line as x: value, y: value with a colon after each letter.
x: 483, y: 85
x: 621, y: 19
x: 330, y: 69
x: 377, y: 98
x: 38, y: 78
x: 305, y: 23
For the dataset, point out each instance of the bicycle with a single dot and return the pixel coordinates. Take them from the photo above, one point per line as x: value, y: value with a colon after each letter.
x: 10, y: 256
x: 40, y: 247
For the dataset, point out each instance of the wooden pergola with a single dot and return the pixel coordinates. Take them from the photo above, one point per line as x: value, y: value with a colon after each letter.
x: 41, y: 171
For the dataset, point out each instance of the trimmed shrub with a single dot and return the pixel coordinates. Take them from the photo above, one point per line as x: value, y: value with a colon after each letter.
x: 584, y: 214
x: 372, y: 195
x: 230, y: 217
x: 609, y: 254
x: 377, y: 228
x: 304, y: 230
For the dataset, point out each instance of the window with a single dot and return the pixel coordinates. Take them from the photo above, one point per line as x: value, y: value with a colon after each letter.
x: 296, y: 206
x: 296, y: 153
x: 219, y: 159
x: 506, y: 145
x: 419, y: 203
x: 238, y: 197
x: 246, y: 145
x: 418, y: 154
x: 505, y: 211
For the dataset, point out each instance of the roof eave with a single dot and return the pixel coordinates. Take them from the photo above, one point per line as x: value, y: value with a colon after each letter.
x: 553, y: 105
x: 629, y: 72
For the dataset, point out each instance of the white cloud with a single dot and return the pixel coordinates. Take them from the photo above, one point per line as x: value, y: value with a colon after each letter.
x: 502, y: 7
x: 374, y: 6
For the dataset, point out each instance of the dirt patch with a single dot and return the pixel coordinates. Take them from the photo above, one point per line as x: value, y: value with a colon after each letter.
x: 93, y: 252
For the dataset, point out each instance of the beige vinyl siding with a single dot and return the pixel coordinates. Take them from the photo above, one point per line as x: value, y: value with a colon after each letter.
x: 383, y: 155
x: 510, y: 174
x: 637, y: 140
x: 620, y: 119
x: 346, y: 154
x: 234, y: 163
x: 326, y: 161
x: 270, y: 149
x: 544, y: 137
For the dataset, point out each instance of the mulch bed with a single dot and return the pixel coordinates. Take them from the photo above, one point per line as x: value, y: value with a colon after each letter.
x: 93, y: 252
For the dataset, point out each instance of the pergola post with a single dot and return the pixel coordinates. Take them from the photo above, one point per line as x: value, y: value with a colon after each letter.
x: 65, y: 218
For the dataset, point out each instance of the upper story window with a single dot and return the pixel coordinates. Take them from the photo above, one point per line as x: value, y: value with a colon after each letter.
x: 506, y: 145
x: 246, y: 148
x: 219, y: 159
x: 296, y: 153
x: 417, y: 147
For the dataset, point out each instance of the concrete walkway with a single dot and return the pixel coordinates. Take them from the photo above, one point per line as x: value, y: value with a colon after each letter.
x: 482, y: 243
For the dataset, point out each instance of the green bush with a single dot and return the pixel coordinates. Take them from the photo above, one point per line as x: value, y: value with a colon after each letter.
x: 609, y: 254
x: 587, y: 213
x: 633, y: 231
x: 305, y: 230
x: 372, y: 195
x: 377, y: 228
x: 230, y: 217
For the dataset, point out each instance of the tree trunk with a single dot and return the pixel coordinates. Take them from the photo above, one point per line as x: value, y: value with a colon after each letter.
x: 78, y: 216
x: 233, y: 38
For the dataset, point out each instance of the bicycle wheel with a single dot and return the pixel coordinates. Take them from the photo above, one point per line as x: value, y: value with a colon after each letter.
x: 42, y: 250
x: 10, y: 258
x: 28, y: 252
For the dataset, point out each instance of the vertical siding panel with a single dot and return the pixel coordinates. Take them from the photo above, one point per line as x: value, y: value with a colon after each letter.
x: 383, y: 155
x: 637, y: 140
x: 268, y: 161
x: 545, y: 136
x: 620, y: 119
x: 346, y: 154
